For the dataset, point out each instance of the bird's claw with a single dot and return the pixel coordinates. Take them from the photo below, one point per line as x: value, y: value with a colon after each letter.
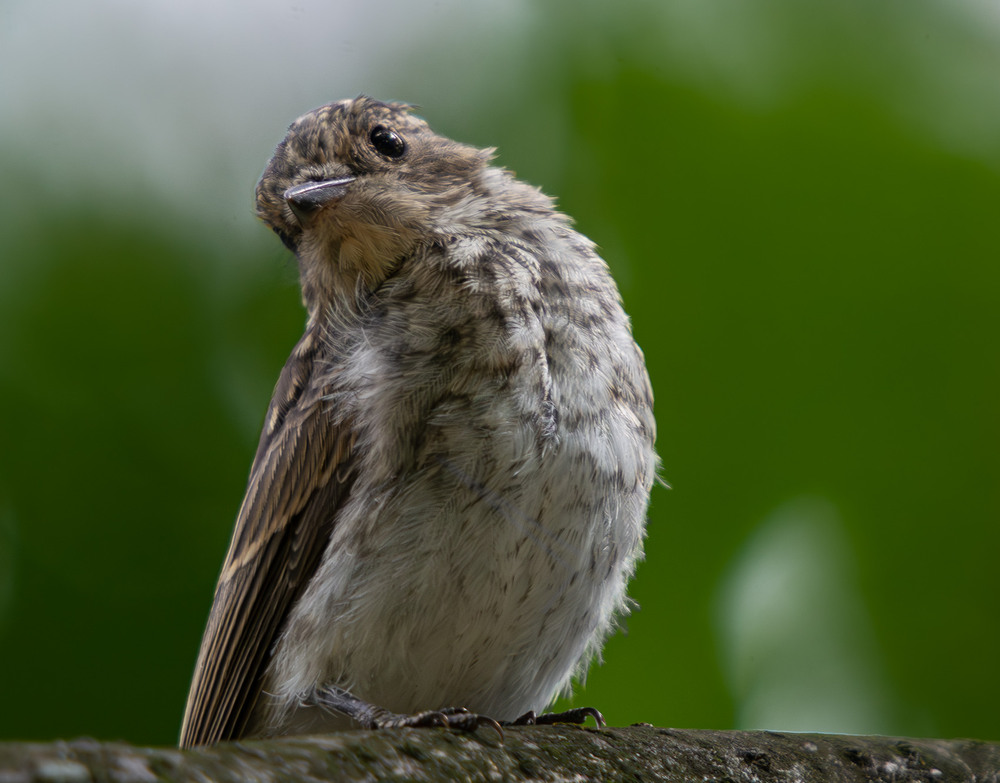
x: 456, y: 718
x: 577, y: 716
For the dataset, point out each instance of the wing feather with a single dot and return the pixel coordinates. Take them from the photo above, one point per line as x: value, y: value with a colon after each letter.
x: 299, y: 478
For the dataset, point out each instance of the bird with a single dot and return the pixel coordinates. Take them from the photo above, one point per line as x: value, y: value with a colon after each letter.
x: 450, y: 491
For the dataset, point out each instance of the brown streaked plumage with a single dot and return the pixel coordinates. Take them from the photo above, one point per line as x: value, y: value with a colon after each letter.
x: 296, y: 484
x: 450, y: 489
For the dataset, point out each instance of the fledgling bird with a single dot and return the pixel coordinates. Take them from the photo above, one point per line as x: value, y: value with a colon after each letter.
x: 450, y: 491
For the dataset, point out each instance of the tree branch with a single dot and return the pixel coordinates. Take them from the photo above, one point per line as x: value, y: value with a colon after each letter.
x: 528, y: 753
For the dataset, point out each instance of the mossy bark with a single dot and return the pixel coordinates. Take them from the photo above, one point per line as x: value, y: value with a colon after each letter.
x: 542, y: 753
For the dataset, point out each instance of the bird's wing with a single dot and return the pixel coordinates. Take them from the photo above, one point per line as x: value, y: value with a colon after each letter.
x: 298, y: 480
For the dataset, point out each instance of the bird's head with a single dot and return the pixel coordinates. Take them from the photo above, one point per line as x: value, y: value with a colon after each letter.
x: 357, y: 185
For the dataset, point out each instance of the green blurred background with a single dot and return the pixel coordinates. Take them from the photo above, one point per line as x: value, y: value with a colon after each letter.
x: 799, y: 202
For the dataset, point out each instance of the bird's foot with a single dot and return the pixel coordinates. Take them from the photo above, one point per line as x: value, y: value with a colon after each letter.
x: 577, y: 716
x: 371, y: 716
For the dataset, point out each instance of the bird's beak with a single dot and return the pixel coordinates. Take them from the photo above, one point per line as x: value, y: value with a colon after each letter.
x: 306, y: 200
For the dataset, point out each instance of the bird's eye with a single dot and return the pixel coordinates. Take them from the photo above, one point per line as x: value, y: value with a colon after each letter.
x: 387, y: 142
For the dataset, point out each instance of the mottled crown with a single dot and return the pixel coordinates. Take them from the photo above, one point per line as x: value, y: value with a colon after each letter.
x: 336, y: 141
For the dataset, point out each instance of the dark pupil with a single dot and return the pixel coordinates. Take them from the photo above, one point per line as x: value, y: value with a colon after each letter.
x: 387, y: 142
